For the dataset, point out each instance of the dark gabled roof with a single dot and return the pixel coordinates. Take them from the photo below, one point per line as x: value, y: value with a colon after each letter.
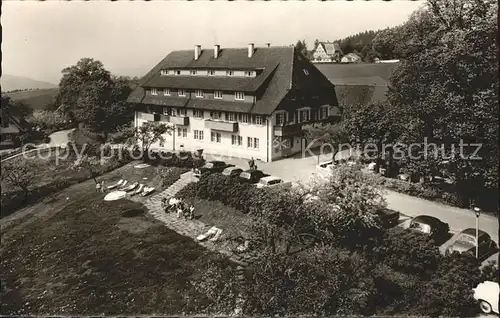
x: 278, y: 75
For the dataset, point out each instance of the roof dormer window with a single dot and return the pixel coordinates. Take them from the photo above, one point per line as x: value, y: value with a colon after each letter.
x: 239, y: 96
x: 249, y: 73
x: 163, y: 72
x: 178, y: 72
x: 154, y: 91
x: 193, y: 72
x: 230, y: 73
x: 211, y: 73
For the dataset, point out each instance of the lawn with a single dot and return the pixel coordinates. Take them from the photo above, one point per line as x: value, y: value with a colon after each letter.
x: 79, y: 254
x: 36, y: 99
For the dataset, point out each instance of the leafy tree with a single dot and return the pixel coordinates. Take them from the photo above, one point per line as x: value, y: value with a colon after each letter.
x: 447, y: 85
x: 301, y: 47
x: 21, y: 173
x: 89, y: 94
x: 329, y: 135
x: 148, y: 134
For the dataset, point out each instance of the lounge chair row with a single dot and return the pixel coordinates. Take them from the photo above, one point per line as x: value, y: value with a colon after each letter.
x: 134, y: 188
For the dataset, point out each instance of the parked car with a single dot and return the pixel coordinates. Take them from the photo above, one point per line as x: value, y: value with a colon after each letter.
x: 271, y: 181
x: 324, y: 169
x: 251, y: 176
x: 211, y: 167
x: 387, y: 217
x: 486, y: 294
x: 466, y: 243
x: 232, y: 171
x: 429, y: 225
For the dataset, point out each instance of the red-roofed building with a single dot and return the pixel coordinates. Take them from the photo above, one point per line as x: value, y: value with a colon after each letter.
x: 243, y: 102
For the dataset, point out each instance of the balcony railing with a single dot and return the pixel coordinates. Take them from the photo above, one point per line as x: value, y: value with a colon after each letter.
x: 145, y: 116
x: 228, y: 126
x: 288, y: 130
x: 179, y: 120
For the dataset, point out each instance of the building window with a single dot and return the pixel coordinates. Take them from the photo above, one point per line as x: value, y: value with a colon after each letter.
x: 181, y: 112
x: 231, y: 116
x: 248, y: 73
x: 253, y: 142
x: 199, y: 93
x: 198, y: 113
x: 229, y: 73
x: 193, y: 72
x: 163, y: 72
x: 215, y: 137
x: 303, y: 115
x: 182, y: 92
x: 236, y: 140
x: 211, y: 73
x: 258, y: 120
x: 166, y: 92
x: 218, y: 95
x: 178, y: 72
x: 198, y: 134
x: 215, y: 115
x: 323, y: 112
x: 182, y: 132
x: 280, y: 118
x: 244, y: 118
x: 165, y: 111
x: 239, y: 95
x: 154, y: 91
x: 173, y: 112
x: 169, y: 72
x: 306, y: 72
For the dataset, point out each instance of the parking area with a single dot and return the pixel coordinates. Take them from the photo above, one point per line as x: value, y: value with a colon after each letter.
x: 303, y: 169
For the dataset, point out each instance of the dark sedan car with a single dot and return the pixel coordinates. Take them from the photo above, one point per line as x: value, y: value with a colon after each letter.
x: 429, y: 225
x: 232, y: 172
x: 211, y: 167
x: 251, y: 176
x: 388, y: 218
x: 466, y: 243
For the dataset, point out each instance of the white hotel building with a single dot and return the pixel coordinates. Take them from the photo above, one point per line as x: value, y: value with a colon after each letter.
x: 243, y: 102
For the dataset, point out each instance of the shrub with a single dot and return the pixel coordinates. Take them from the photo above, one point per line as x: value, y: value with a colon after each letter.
x: 188, y: 192
x: 454, y: 199
x: 171, y: 175
x: 407, y: 252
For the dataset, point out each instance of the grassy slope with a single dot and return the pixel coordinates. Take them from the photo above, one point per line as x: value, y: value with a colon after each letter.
x: 35, y: 99
x: 82, y: 256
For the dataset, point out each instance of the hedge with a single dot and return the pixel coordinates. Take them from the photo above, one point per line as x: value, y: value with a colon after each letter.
x: 184, y: 159
x: 171, y: 174
x: 13, y: 201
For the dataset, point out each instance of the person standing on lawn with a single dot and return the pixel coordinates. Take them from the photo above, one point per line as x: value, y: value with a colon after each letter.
x: 98, y: 187
x: 102, y: 186
x: 251, y: 163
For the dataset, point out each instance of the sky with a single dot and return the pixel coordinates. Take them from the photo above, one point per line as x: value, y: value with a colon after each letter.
x: 41, y: 38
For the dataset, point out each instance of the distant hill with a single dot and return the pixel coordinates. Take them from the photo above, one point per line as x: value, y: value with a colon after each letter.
x: 11, y: 82
x: 36, y: 99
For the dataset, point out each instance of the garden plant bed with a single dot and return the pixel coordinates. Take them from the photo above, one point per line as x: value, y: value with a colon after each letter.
x: 83, y: 255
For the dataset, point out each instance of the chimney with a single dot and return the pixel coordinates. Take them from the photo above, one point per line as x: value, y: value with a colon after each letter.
x: 216, y: 51
x: 250, y: 49
x: 268, y: 44
x: 197, y: 51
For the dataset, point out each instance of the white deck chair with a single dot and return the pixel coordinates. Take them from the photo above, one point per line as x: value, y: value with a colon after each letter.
x: 147, y: 191
x: 124, y: 183
x: 119, y: 183
x: 139, y: 190
x: 212, y: 231
x: 131, y: 187
x: 216, y: 236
